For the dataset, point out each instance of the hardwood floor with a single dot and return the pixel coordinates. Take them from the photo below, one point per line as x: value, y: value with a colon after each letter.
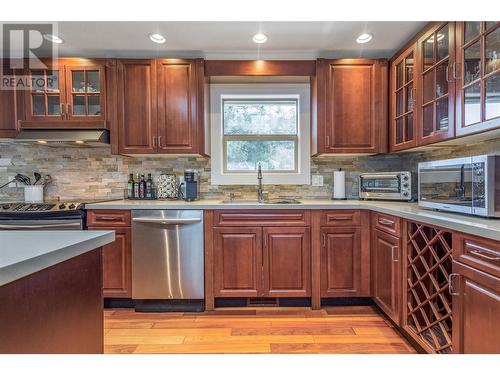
x: 359, y: 329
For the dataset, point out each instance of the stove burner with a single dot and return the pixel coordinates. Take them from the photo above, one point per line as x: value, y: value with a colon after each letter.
x: 38, y: 207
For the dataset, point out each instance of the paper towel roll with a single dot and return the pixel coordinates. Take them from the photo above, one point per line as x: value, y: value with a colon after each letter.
x: 339, y: 185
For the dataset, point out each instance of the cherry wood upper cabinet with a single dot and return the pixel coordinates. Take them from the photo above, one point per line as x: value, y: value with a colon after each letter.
x: 160, y: 106
x: 179, y: 109
x: 67, y: 93
x: 476, y: 307
x: 436, y: 84
x: 402, y: 90
x: 478, y: 76
x: 237, y: 262
x: 287, y: 262
x: 386, y: 273
x: 351, y: 106
x: 137, y: 124
x: 9, y: 107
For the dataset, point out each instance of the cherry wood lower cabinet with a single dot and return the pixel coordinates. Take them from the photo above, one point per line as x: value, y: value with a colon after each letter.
x: 116, y: 256
x: 261, y: 262
x: 286, y: 262
x: 386, y: 273
x: 340, y: 261
x: 476, y: 308
x: 237, y: 262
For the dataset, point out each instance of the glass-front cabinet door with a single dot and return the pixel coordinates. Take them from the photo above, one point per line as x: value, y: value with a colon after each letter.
x: 403, y: 87
x: 436, y: 84
x: 66, y: 93
x: 478, y: 81
x: 85, y: 92
x: 45, y: 97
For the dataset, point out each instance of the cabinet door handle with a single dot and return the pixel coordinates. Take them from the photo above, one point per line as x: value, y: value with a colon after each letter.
x: 108, y: 218
x: 481, y: 254
x: 159, y: 141
x: 392, y: 253
x: 327, y: 141
x: 447, y: 74
x: 385, y: 221
x: 154, y: 141
x: 323, y: 240
x: 454, y: 70
x: 450, y: 284
x: 68, y: 110
x: 62, y: 110
x: 341, y: 218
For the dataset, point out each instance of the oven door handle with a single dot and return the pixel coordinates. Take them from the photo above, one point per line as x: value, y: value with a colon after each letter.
x: 40, y: 226
x: 385, y: 176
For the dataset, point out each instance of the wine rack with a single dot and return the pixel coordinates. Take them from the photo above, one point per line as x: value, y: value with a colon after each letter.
x: 428, y: 300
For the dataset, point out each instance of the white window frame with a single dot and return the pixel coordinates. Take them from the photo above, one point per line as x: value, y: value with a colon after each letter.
x: 221, y: 92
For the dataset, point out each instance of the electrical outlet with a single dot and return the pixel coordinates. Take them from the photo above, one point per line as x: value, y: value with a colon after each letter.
x: 317, y: 180
x: 12, y: 184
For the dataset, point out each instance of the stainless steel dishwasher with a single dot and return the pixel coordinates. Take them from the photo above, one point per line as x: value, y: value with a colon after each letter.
x: 167, y: 260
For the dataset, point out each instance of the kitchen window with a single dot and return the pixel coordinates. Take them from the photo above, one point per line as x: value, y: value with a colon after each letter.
x: 260, y: 123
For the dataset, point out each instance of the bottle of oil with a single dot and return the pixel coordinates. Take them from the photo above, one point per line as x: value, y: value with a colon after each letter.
x: 142, y: 187
x: 149, y: 187
x: 130, y: 187
x: 136, y: 186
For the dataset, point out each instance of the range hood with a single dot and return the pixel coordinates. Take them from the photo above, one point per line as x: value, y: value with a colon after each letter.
x: 65, y: 138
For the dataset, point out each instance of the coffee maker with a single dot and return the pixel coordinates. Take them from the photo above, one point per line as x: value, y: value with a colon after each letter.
x: 191, y: 185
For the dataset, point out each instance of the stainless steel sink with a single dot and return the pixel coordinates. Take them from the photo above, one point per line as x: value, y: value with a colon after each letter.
x: 255, y: 201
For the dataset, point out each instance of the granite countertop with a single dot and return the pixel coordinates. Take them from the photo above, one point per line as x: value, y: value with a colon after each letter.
x: 475, y: 225
x: 23, y: 253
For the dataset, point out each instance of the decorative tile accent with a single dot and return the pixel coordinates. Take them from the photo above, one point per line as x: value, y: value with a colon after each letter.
x: 93, y: 173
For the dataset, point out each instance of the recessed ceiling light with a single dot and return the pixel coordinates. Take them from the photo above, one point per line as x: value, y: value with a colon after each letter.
x: 364, y: 38
x: 80, y: 142
x: 53, y: 38
x: 157, y: 38
x: 259, y: 38
x: 41, y: 142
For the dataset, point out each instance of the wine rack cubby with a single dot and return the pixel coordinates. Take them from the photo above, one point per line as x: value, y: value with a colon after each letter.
x: 428, y: 300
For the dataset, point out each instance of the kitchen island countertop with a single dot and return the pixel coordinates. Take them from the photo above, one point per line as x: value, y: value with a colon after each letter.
x: 478, y: 226
x: 23, y: 253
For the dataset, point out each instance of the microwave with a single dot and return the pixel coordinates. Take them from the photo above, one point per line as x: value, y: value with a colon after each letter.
x: 386, y: 186
x: 469, y: 185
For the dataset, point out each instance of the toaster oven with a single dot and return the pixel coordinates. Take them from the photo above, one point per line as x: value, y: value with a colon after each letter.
x: 386, y: 186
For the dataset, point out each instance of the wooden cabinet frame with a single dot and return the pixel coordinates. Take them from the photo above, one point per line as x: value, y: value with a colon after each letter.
x: 326, y: 128
x: 65, y: 120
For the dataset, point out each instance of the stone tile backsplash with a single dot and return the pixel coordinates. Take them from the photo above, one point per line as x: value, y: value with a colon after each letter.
x: 94, y: 174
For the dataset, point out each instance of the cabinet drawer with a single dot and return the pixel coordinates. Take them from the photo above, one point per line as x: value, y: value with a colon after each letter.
x: 113, y: 218
x: 262, y: 217
x: 480, y: 253
x: 340, y: 218
x: 387, y: 223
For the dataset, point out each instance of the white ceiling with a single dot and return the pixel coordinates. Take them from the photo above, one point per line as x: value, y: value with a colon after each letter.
x: 233, y: 40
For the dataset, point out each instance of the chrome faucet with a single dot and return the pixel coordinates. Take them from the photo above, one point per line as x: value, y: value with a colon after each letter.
x: 260, y: 191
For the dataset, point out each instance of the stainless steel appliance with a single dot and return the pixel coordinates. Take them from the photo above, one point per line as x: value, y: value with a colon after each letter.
x: 167, y: 260
x: 386, y: 186
x: 42, y: 216
x: 469, y: 185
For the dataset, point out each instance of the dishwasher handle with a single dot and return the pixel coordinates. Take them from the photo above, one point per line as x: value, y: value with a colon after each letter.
x: 179, y: 221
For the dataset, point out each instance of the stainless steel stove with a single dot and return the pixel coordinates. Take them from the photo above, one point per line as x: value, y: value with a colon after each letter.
x: 42, y: 216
